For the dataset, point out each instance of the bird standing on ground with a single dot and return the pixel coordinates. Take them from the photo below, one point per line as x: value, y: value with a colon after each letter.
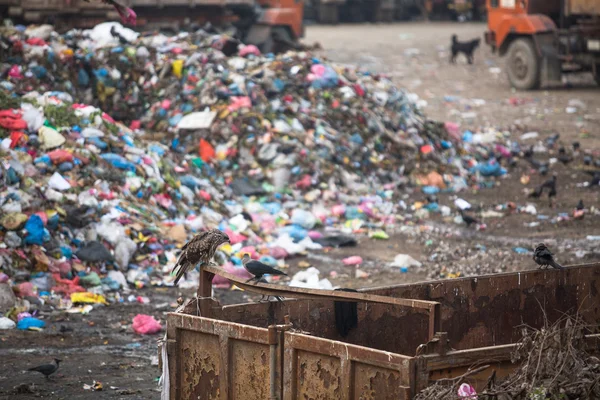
x: 468, y: 219
x: 550, y: 184
x: 47, y: 369
x: 259, y: 269
x: 201, y: 249
x: 543, y: 257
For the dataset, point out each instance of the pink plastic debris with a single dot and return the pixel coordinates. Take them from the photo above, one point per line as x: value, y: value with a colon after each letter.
x: 240, y: 272
x: 145, y: 325
x: 25, y: 289
x: 238, y: 102
x: 278, y: 253
x: 338, y: 210
x: 453, y: 129
x: 249, y: 49
x: 467, y: 392
x: 128, y: 16
x: 353, y: 260
x: 315, y: 235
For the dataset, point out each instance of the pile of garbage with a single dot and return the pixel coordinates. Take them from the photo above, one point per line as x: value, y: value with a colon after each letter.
x: 117, y: 147
x: 552, y: 363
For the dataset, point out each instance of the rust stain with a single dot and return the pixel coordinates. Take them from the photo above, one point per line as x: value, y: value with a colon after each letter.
x: 200, y: 365
x: 373, y: 383
x: 319, y: 376
x: 250, y: 370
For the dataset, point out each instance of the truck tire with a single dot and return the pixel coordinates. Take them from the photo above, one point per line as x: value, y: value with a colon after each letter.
x: 523, y: 64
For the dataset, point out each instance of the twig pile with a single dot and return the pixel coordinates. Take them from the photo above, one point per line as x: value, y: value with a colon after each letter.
x: 554, y: 364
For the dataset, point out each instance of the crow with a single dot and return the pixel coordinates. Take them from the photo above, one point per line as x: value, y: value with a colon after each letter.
x: 201, y: 249
x: 544, y: 258
x: 550, y: 184
x: 595, y: 181
x: 259, y: 269
x: 47, y: 369
x: 468, y: 219
x: 563, y: 157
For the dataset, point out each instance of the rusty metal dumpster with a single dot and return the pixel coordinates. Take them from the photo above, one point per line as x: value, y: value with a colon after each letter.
x: 407, y: 336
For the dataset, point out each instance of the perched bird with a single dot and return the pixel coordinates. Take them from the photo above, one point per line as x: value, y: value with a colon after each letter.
x: 468, y: 219
x: 201, y: 249
x: 544, y: 258
x: 259, y: 269
x: 47, y: 369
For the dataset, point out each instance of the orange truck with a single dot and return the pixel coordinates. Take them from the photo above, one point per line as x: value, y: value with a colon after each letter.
x: 544, y: 39
x: 261, y: 22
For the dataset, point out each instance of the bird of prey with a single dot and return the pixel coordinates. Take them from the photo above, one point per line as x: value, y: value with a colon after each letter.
x: 544, y: 258
x: 201, y: 249
x: 46, y: 369
x: 259, y: 269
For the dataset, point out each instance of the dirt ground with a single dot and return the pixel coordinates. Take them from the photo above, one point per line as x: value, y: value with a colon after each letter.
x: 102, y: 347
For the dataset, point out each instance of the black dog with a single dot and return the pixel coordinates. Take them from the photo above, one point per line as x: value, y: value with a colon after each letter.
x: 467, y: 48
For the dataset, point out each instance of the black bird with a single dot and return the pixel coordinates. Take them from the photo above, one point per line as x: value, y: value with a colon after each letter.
x: 259, y: 269
x: 468, y: 219
x: 201, y: 249
x: 550, y: 184
x: 580, y: 205
x: 528, y: 153
x: 346, y: 314
x: 595, y: 181
x: 544, y: 258
x: 247, y: 216
x: 563, y: 157
x: 47, y: 369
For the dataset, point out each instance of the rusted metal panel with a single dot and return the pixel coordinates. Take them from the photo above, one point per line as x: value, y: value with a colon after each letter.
x: 199, y: 365
x: 213, y: 359
x: 583, y: 7
x: 316, y: 368
x: 484, y: 311
x: 250, y: 362
x: 398, y: 329
x: 374, y: 383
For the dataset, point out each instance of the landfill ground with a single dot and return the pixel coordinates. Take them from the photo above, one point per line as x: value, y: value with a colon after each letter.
x: 102, y: 347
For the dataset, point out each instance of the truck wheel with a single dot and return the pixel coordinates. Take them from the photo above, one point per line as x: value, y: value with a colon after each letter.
x: 523, y: 64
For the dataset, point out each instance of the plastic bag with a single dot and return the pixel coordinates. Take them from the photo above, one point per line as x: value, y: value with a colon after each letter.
x: 145, y: 325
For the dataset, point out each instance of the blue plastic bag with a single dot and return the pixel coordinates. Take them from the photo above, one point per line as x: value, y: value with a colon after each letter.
x: 30, y: 322
x: 35, y: 230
